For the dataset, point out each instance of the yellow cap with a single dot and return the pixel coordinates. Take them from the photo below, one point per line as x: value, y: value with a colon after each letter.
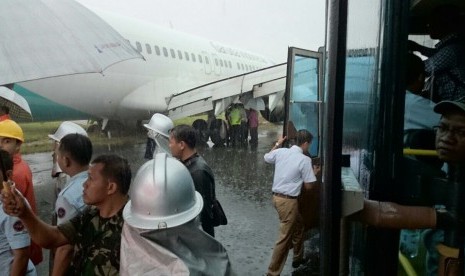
x: 10, y: 129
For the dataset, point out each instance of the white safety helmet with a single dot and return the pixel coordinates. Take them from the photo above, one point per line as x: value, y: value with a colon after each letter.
x: 162, y: 195
x: 67, y: 128
x: 160, y: 124
x: 159, y: 128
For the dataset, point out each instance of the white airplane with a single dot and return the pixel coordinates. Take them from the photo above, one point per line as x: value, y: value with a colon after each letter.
x: 133, y: 90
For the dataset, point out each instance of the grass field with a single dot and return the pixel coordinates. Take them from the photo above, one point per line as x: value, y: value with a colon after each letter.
x: 36, y: 134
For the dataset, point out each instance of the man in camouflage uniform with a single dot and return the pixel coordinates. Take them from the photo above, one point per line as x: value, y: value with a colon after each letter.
x: 96, y: 233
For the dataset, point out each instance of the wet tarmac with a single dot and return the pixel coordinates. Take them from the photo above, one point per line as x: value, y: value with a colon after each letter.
x: 243, y: 186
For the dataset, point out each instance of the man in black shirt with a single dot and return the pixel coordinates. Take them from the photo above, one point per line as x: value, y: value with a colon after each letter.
x: 183, y: 139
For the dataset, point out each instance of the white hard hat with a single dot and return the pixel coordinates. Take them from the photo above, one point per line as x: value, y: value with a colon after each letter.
x: 161, y: 124
x: 162, y: 195
x: 67, y: 128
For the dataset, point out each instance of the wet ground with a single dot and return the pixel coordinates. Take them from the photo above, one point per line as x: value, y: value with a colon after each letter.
x: 243, y: 186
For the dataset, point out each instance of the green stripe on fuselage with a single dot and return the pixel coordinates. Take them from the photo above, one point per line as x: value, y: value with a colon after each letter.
x: 44, y: 109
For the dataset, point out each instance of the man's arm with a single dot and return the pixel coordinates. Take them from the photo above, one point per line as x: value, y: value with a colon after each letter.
x: 310, y: 186
x: 426, y: 51
x: 20, y: 261
x: 269, y: 157
x: 63, y: 256
x: 47, y: 236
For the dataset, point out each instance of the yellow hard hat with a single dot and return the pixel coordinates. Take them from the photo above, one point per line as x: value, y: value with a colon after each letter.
x: 10, y: 129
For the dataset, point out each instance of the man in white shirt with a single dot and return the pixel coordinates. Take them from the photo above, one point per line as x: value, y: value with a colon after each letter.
x: 292, y: 170
x: 73, y: 156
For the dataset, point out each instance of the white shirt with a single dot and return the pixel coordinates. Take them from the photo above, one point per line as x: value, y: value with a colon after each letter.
x: 419, y: 112
x: 13, y: 235
x: 292, y: 169
x: 69, y: 202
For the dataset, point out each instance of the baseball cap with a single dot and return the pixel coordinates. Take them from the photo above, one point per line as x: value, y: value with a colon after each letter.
x: 446, y: 106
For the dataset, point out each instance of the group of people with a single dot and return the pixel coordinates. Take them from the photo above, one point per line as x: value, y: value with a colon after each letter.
x: 241, y: 122
x: 99, y: 213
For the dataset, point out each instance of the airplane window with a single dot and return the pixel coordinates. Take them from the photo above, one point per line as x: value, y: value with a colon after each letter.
x: 230, y: 64
x: 238, y: 66
x: 216, y: 62
x: 173, y: 54
x: 165, y: 52
x: 206, y: 60
x: 186, y: 55
x: 193, y: 57
x: 139, y: 47
x: 149, y: 49
x: 157, y: 50
x: 200, y: 58
x: 221, y: 63
x: 179, y: 54
x: 242, y: 66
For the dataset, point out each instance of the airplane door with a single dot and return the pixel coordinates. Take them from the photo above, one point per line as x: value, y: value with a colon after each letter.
x: 303, y: 95
x: 207, y: 63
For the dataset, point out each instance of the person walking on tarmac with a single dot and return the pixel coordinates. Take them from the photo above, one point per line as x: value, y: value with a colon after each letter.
x: 161, y: 234
x: 252, y: 121
x: 293, y: 170
x: 183, y: 139
x: 450, y: 147
x: 235, y: 119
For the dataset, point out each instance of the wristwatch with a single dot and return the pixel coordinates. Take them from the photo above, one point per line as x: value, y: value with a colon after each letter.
x: 277, y: 144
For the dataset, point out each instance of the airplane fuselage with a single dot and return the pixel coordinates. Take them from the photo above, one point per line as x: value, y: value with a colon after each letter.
x: 135, y: 89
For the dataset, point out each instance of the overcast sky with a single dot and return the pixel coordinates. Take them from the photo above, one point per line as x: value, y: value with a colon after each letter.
x: 266, y: 27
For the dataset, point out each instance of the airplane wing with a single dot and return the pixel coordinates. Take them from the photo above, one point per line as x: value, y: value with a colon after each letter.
x: 249, y: 88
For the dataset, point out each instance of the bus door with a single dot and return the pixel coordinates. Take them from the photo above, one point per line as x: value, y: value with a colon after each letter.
x: 303, y: 95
